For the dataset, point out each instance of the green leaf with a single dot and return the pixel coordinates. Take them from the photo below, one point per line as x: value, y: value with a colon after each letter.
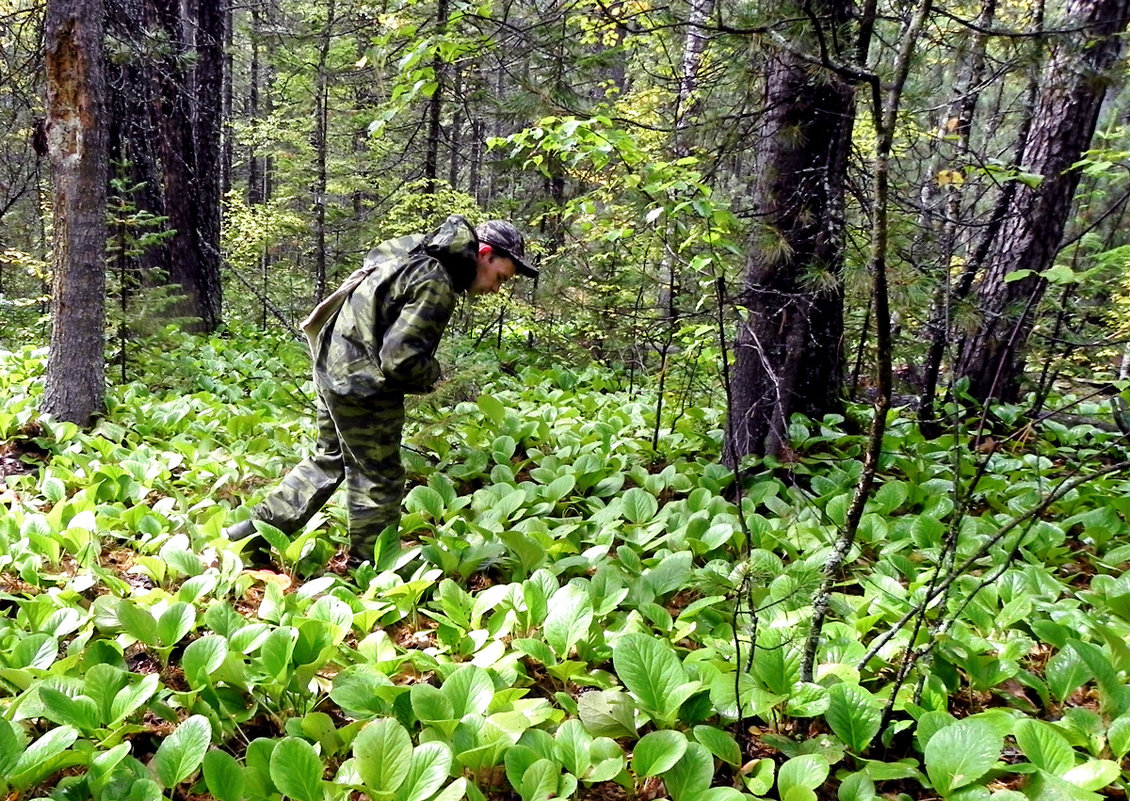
x: 691, y: 775
x: 131, y: 697
x: 470, y: 691
x: 651, y: 671
x: 720, y: 743
x: 492, y: 408
x: 384, y: 754
x: 10, y: 747
x: 137, y: 622
x: 1044, y: 746
x: 856, y: 787
x: 569, y: 618
x: 539, y: 781
x: 759, y: 779
x: 296, y: 769
x: 1066, y: 672
x: 854, y: 715
x: 356, y: 690
x: 574, y: 747
x: 202, y: 658
x: 428, y: 769
x: 1118, y: 736
x: 425, y: 499
x: 181, y: 753
x: 639, y: 505
x: 658, y: 752
x: 60, y: 708
x: 430, y: 704
x: 223, y: 775
x: 808, y: 771
x: 960, y: 754
x: 43, y: 750
x: 1094, y: 774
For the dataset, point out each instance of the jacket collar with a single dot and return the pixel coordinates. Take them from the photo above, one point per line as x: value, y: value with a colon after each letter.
x: 456, y: 247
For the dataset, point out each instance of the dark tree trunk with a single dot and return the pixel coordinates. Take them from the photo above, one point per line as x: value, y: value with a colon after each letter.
x: 227, y: 150
x: 254, y: 162
x: 1072, y: 93
x: 435, y: 107
x: 321, y: 120
x: 77, y: 143
x: 207, y: 119
x: 789, y: 353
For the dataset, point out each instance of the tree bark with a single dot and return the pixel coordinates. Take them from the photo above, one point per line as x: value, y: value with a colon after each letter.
x: 321, y: 145
x: 207, y: 119
x: 435, y: 107
x: 789, y: 354
x: 1066, y: 114
x: 77, y: 143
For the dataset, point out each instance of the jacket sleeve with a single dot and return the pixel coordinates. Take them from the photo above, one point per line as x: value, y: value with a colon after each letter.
x: 407, y: 354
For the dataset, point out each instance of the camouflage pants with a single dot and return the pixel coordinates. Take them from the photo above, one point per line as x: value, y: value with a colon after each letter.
x: 358, y: 443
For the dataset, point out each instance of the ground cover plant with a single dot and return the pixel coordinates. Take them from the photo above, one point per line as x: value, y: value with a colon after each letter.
x: 576, y: 609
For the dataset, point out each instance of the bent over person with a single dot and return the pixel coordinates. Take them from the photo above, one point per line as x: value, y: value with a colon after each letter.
x: 373, y: 341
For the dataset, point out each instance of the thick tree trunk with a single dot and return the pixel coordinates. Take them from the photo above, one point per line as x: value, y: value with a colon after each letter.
x: 789, y: 355
x: 1072, y: 93
x: 207, y: 120
x: 76, y: 135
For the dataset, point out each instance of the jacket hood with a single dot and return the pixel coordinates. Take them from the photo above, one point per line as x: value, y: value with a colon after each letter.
x: 456, y: 247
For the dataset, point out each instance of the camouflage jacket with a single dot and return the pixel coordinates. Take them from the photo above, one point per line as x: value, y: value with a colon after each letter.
x: 378, y: 334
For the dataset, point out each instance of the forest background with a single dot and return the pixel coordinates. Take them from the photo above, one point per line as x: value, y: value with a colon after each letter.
x: 798, y: 472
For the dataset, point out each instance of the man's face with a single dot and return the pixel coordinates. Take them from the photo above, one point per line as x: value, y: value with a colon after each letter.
x: 494, y: 270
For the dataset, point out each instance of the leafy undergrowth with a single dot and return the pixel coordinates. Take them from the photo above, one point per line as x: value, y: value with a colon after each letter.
x: 571, y: 613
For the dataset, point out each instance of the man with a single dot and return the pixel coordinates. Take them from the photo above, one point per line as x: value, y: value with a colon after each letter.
x: 374, y: 341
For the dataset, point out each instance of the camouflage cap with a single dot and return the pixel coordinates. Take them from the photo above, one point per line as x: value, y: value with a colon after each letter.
x: 504, y: 237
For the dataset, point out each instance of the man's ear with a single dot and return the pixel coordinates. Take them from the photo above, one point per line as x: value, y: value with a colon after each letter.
x: 485, y: 249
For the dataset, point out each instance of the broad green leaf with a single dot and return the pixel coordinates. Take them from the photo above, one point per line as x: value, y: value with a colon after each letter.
x: 759, y: 779
x: 854, y: 715
x: 1045, y: 747
x: 1094, y: 774
x: 50, y: 745
x: 296, y: 769
x: 569, y: 618
x: 470, y: 691
x: 856, y: 787
x: 639, y: 505
x: 10, y: 747
x: 492, y: 408
x: 720, y: 743
x: 203, y: 657
x: 1118, y: 736
x: 130, y: 698
x: 1044, y: 786
x: 138, y: 622
x: 428, y: 769
x: 34, y: 651
x: 1066, y: 672
x: 60, y: 708
x: 356, y: 690
x: 651, y: 671
x: 808, y: 771
x: 658, y: 752
x: 384, y: 754
x: 431, y: 704
x: 223, y: 775
x: 961, y: 754
x: 574, y: 747
x: 691, y: 775
x: 723, y: 794
x: 455, y: 791
x: 519, y: 759
x: 540, y: 780
x: 181, y: 753
x: 425, y: 499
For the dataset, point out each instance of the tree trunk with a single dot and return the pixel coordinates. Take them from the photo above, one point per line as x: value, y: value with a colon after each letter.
x: 789, y: 354
x: 435, y: 107
x: 321, y: 120
x: 207, y: 119
x: 1073, y: 89
x: 76, y: 135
